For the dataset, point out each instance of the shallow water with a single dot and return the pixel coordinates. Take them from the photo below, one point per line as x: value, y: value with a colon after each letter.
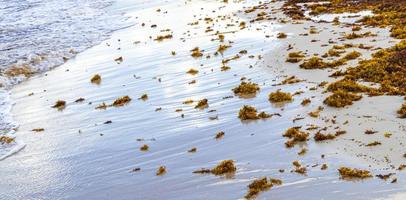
x: 80, y: 157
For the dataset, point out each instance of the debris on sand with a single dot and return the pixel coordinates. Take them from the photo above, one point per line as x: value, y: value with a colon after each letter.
x: 295, y: 57
x: 375, y: 143
x: 202, y: 104
x: 223, y: 168
x: 257, y: 186
x: 279, y: 96
x: 306, y: 101
x: 341, y: 98
x: 119, y: 59
x: 38, y: 129
x: 402, y: 111
x: 246, y: 89
x: 102, y: 106
x: 196, y: 52
x: 291, y: 80
x: 250, y: 113
x: 60, y: 105
x: 192, y: 71
x: 219, y: 135
x: 121, y: 101
x: 161, y: 171
x: 144, y: 147
x: 192, y: 150
x: 322, y: 137
x: 79, y: 100
x: 282, y: 35
x: 160, y: 38
x: 6, y: 140
x: 299, y: 168
x: 17, y: 71
x: 295, y: 136
x: 96, y: 79
x: 346, y: 172
x: 144, y: 97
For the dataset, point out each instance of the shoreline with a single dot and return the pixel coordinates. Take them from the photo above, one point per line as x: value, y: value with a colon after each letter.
x: 80, y: 155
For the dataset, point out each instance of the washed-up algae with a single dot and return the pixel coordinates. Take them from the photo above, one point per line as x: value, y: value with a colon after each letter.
x: 250, y: 113
x: 223, y: 168
x: 346, y: 172
x: 60, y: 105
x: 279, y: 96
x: 341, y: 98
x: 246, y: 89
x: 121, y: 101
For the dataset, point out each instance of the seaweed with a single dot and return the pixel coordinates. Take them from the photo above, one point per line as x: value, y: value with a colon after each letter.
x: 60, y: 105
x: 144, y: 147
x: 279, y: 96
x: 225, y: 167
x: 246, y: 89
x: 192, y: 150
x: 202, y: 104
x: 306, y: 101
x: 295, y: 57
x: 161, y: 171
x: 17, y: 71
x: 160, y: 38
x: 38, y: 129
x: 96, y: 79
x: 322, y: 137
x: 375, y: 143
x: 402, y: 111
x: 121, y: 101
x: 196, y: 52
x: 192, y: 71
x: 102, y: 106
x: 257, y: 186
x: 144, y: 97
x: 6, y: 140
x: 346, y: 172
x: 295, y: 135
x: 341, y: 98
x: 250, y: 113
x: 282, y: 35
x: 219, y: 135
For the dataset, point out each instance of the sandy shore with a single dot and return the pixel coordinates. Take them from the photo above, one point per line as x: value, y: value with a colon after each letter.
x: 88, y: 153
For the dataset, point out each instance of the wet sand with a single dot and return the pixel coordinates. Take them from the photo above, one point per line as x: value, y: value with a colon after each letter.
x: 79, y: 156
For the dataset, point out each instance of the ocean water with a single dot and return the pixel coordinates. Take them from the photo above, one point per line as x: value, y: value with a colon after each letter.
x: 42, y: 34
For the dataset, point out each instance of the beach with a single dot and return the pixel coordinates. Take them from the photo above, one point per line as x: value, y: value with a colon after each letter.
x: 91, y: 147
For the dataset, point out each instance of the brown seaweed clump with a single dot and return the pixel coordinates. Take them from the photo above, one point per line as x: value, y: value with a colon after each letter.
x: 348, y: 85
x: 402, y: 111
x: 223, y: 168
x: 161, y: 171
x: 202, y: 104
x: 17, y: 71
x: 38, y: 129
x: 121, y: 101
x: 192, y: 71
x: 295, y: 136
x: 60, y: 105
x: 346, y: 172
x: 6, y: 140
x: 160, y: 38
x: 144, y: 147
x: 257, y: 186
x: 96, y: 79
x: 219, y: 135
x: 282, y: 35
x: 279, y: 96
x: 192, y: 150
x: 341, y: 99
x: 322, y: 137
x: 295, y: 57
x: 246, y: 89
x: 250, y: 113
x: 196, y: 52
